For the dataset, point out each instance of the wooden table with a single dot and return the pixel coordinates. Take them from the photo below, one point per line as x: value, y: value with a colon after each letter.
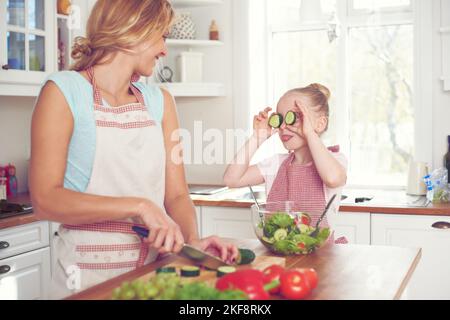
x: 346, y: 272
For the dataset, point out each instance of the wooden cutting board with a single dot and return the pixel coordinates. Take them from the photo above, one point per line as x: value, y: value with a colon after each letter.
x: 210, y: 277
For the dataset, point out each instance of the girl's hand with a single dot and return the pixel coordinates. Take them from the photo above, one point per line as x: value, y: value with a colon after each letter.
x: 219, y: 248
x: 261, y: 128
x: 306, y: 128
x: 165, y: 235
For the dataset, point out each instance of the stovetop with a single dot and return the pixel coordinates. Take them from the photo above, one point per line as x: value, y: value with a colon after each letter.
x: 8, y: 210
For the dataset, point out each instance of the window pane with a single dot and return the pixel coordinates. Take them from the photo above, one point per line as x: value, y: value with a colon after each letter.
x: 37, y: 53
x: 288, y: 11
x: 382, y: 114
x: 302, y: 58
x: 36, y: 14
x: 16, y: 13
x: 16, y: 50
x: 379, y: 4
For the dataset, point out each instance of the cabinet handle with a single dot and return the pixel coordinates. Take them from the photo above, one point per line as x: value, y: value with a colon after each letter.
x: 6, y: 67
x: 5, y: 269
x: 441, y: 225
x: 4, y: 245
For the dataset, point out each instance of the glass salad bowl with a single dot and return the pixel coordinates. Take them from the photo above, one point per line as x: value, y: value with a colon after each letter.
x: 286, y: 231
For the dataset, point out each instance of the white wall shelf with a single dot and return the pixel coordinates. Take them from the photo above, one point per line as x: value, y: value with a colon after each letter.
x: 195, y: 3
x: 195, y: 89
x: 194, y: 43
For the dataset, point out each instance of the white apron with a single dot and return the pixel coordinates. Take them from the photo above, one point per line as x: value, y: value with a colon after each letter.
x: 129, y: 162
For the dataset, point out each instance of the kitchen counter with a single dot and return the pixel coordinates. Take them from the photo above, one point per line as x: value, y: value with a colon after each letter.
x: 18, y: 220
x: 383, y: 202
x: 346, y: 272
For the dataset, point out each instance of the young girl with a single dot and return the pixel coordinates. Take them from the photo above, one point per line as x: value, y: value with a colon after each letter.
x: 310, y: 174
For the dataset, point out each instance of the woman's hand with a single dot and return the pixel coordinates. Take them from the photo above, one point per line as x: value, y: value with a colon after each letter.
x: 261, y: 128
x: 219, y: 248
x: 165, y: 235
x: 306, y: 127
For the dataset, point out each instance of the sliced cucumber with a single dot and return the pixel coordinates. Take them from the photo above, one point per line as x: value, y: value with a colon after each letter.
x: 166, y: 270
x: 280, y: 234
x: 275, y: 121
x: 190, y: 272
x: 224, y: 271
x: 291, y: 118
x: 268, y: 241
x: 246, y: 256
x: 304, y: 228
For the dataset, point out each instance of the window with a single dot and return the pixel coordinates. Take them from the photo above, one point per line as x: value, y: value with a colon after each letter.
x: 368, y: 68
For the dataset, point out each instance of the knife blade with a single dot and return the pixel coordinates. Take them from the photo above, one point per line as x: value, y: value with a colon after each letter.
x: 197, y: 256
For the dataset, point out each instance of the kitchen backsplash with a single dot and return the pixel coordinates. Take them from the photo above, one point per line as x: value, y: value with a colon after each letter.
x: 15, y: 120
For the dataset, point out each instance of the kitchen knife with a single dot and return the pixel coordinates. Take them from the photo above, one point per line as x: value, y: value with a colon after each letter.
x: 197, y: 256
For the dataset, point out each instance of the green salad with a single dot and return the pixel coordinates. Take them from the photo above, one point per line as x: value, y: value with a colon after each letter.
x: 289, y: 235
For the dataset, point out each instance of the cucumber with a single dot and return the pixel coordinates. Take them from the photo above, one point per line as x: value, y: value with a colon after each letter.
x: 190, y: 272
x: 268, y: 241
x: 275, y: 121
x: 304, y: 228
x: 280, y: 234
x: 246, y: 256
x: 166, y: 270
x: 224, y: 271
x: 290, y: 118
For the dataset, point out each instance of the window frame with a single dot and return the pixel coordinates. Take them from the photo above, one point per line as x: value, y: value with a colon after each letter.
x: 419, y: 14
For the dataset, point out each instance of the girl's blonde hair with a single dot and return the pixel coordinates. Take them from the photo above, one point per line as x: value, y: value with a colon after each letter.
x: 319, y: 96
x: 118, y: 26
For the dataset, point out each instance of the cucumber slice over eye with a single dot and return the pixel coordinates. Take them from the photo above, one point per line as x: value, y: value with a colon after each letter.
x: 190, y: 272
x: 291, y: 118
x: 275, y: 121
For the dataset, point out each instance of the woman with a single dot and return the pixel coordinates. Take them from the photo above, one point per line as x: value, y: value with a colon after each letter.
x: 101, y: 146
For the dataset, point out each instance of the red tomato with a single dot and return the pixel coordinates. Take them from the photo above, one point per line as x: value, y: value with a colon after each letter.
x: 311, y: 275
x: 271, y: 274
x: 305, y: 220
x: 294, y: 285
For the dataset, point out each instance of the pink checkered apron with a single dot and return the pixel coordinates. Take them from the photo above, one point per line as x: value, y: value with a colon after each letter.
x: 129, y: 162
x: 303, y: 186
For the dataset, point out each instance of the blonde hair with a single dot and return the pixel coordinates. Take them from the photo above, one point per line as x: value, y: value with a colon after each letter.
x: 319, y: 96
x: 118, y: 26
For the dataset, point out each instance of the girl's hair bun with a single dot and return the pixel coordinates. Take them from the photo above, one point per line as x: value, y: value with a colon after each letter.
x: 324, y: 90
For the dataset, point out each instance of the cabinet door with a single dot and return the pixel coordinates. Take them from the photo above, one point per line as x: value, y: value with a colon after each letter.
x: 431, y: 279
x: 26, y: 276
x: 27, y: 40
x: 227, y: 223
x: 18, y: 240
x: 353, y: 226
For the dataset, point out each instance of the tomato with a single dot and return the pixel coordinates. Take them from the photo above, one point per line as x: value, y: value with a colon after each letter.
x: 305, y: 220
x: 301, y: 245
x: 271, y: 274
x: 311, y: 275
x: 294, y: 285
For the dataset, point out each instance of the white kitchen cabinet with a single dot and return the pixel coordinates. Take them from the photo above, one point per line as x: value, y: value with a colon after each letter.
x: 26, y: 276
x: 27, y: 44
x: 23, y: 239
x: 25, y: 262
x: 227, y: 223
x: 431, y: 279
x: 354, y: 226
